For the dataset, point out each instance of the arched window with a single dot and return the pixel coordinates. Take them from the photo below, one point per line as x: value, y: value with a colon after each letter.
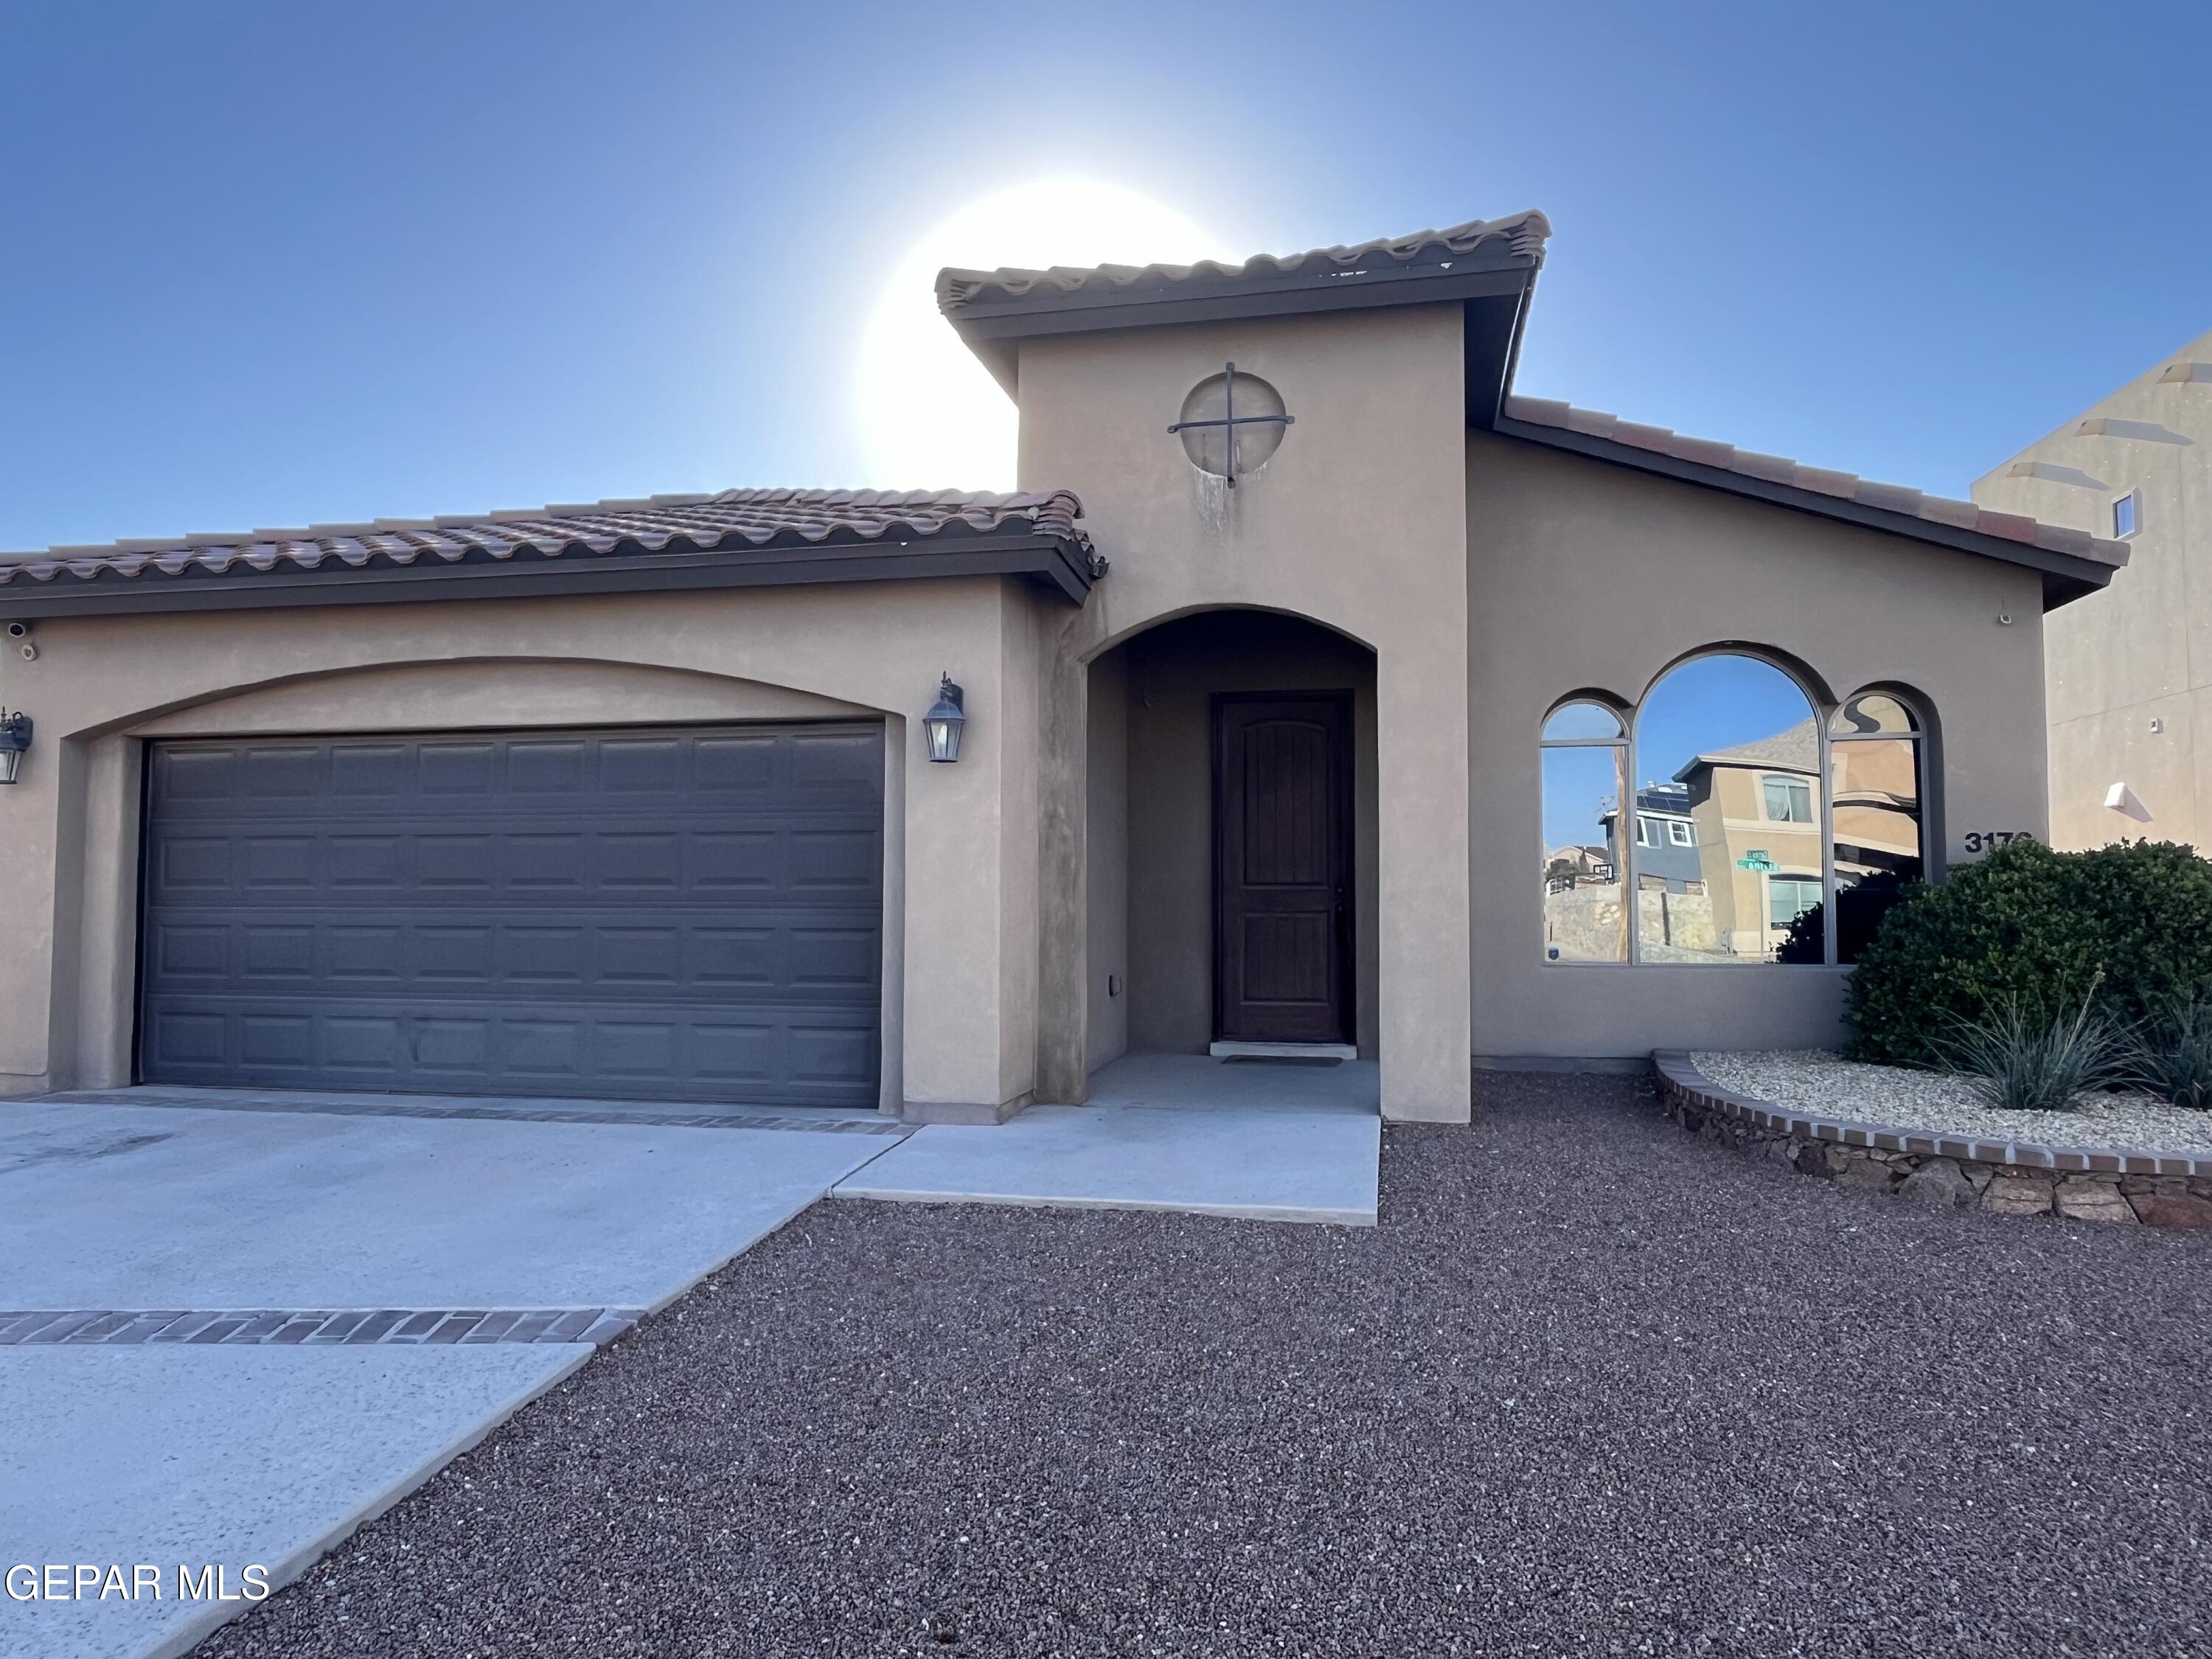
x: 1725, y: 820
x: 1875, y: 791
x: 1728, y: 764
x: 1585, y: 751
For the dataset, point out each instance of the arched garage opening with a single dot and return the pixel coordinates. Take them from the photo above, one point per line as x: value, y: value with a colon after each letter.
x: 507, y: 878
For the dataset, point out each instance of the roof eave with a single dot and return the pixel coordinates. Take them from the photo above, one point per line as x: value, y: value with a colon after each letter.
x: 1066, y: 567
x: 2065, y: 577
x: 993, y: 329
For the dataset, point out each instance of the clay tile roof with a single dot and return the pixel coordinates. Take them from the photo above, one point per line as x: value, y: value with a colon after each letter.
x: 1521, y: 235
x: 1906, y: 505
x: 733, y: 520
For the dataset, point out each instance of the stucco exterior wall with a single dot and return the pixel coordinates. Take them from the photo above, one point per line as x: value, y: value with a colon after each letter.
x: 2141, y: 651
x: 1357, y: 522
x: 1106, y: 874
x: 960, y: 888
x: 1588, y: 576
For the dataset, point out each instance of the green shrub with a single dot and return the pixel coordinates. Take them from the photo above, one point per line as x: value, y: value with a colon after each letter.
x: 2021, y: 1065
x: 2172, y: 1057
x: 2026, y: 930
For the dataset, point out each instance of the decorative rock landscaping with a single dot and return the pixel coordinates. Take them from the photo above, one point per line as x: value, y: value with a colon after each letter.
x: 1942, y: 1169
x: 1818, y: 1083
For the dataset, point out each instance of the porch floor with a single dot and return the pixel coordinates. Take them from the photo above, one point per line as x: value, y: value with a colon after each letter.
x: 1164, y: 1132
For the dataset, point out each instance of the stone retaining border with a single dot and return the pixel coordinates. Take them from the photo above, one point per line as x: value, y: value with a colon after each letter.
x: 2007, y: 1177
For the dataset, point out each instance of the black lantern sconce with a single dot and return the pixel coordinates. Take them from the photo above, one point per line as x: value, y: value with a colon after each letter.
x: 14, y: 739
x: 942, y: 724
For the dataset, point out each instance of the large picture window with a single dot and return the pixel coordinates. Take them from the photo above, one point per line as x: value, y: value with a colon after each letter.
x: 1727, y: 820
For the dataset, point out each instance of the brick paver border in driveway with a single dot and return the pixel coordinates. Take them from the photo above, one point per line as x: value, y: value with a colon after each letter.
x: 355, y: 1328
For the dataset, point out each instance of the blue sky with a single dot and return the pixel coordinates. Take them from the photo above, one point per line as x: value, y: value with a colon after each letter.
x: 270, y: 263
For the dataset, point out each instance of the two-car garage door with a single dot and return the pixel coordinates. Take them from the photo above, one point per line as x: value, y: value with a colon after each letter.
x: 693, y: 913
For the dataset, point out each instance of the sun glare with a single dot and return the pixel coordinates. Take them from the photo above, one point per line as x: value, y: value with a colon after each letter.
x: 931, y: 416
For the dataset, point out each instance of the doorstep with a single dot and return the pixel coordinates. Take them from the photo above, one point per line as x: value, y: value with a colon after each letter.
x: 1229, y: 1050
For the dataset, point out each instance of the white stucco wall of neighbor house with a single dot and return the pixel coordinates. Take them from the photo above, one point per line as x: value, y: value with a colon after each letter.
x: 1584, y: 575
x: 2128, y: 675
x: 960, y: 882
x: 1358, y: 523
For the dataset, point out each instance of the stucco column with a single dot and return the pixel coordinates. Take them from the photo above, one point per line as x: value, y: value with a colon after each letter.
x: 1425, y: 1016
x: 41, y: 827
x: 1063, y: 910
x: 970, y: 1042
x: 952, y: 898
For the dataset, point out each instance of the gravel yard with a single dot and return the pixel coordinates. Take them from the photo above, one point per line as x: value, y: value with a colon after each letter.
x: 1893, y: 1097
x: 1592, y: 1387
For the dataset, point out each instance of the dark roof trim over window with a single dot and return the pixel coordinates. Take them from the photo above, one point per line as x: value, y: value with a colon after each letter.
x: 1487, y: 264
x: 2072, y: 562
x: 739, y: 539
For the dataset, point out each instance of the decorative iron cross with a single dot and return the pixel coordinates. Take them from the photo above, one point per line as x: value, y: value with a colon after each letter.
x: 1230, y: 420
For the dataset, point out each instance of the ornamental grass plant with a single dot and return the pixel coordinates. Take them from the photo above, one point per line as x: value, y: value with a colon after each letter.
x: 2171, y: 1057
x: 2019, y: 1062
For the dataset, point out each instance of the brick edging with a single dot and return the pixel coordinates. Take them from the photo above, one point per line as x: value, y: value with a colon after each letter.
x: 2011, y: 1177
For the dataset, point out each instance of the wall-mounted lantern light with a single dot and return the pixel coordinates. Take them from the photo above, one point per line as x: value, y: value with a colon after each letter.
x: 14, y: 739
x: 942, y: 724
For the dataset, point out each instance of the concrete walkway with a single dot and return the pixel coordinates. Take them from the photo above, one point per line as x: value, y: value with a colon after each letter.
x: 262, y: 1441
x: 1164, y: 1131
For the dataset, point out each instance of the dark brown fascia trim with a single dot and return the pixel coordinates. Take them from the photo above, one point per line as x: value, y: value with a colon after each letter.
x: 989, y: 331
x: 2065, y: 578
x: 1528, y: 299
x: 1492, y: 353
x: 1062, y: 566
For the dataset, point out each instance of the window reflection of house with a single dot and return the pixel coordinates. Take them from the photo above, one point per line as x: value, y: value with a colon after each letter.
x: 1568, y: 867
x: 1756, y: 809
x: 1877, y: 811
x: 1666, y: 840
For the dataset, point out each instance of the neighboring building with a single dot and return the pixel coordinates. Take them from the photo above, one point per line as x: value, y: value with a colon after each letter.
x: 1567, y: 866
x: 2128, y: 671
x: 1666, y: 839
x: 1756, y: 809
x: 641, y: 799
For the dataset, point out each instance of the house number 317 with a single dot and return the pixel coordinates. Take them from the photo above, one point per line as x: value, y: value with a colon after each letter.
x: 1988, y: 841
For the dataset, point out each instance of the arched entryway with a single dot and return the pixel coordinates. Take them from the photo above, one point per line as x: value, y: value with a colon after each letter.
x: 1230, y: 876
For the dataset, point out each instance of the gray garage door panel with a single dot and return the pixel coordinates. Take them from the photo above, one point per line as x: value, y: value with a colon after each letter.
x: 688, y: 915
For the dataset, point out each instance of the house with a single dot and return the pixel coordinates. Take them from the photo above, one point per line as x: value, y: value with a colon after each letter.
x: 1666, y: 837
x: 1219, y: 736
x: 2128, y: 678
x: 1565, y: 866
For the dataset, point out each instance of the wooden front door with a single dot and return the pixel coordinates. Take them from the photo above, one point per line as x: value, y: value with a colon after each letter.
x: 1282, y: 818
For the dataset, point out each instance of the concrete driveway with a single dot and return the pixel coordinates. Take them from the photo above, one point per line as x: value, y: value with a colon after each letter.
x: 233, y: 1325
